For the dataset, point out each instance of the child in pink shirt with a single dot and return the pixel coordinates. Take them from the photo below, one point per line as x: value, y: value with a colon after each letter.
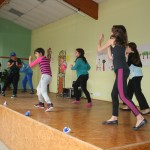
x: 45, y: 78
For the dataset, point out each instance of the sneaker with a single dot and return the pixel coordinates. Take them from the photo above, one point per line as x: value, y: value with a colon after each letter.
x: 88, y: 105
x: 49, y: 107
x: 13, y: 96
x: 75, y: 102
x: 3, y: 93
x: 32, y: 92
x: 39, y: 105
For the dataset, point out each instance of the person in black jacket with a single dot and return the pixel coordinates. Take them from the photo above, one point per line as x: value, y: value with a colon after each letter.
x: 14, y: 64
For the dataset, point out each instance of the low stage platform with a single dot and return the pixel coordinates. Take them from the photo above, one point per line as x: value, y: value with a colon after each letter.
x: 85, y: 123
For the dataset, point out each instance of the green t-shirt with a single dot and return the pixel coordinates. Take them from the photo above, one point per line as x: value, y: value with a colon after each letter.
x: 81, y: 67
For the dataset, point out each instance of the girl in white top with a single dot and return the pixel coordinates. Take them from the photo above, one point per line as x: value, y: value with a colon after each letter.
x: 136, y: 75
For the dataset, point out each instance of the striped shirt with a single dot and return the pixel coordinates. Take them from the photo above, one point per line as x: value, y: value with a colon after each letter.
x: 44, y: 65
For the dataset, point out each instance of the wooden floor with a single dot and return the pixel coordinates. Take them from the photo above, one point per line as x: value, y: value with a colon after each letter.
x: 85, y: 123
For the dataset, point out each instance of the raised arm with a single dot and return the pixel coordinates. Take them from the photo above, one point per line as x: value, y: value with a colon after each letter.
x: 19, y: 63
x: 109, y: 53
x: 10, y: 64
x: 105, y: 46
x: 35, y: 62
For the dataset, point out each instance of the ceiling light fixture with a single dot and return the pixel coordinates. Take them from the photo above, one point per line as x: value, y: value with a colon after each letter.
x: 42, y: 1
x: 71, y: 7
x: 16, y: 12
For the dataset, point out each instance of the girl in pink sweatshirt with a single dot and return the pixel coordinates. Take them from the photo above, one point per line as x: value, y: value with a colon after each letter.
x: 46, y: 77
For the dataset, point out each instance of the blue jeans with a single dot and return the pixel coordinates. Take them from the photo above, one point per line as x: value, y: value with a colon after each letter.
x: 27, y: 78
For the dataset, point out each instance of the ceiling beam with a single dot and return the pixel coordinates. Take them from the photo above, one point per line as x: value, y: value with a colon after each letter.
x: 89, y: 7
x: 3, y: 2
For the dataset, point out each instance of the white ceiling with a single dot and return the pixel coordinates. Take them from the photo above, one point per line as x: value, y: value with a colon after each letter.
x: 33, y: 14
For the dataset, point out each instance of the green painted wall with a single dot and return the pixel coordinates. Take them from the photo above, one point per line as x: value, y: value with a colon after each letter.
x: 1, y: 44
x: 82, y: 31
x: 14, y: 38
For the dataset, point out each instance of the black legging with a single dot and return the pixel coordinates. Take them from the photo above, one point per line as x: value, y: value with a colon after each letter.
x: 81, y: 81
x: 120, y: 88
x: 134, y: 87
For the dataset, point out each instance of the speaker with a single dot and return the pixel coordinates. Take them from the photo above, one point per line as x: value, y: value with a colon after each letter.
x: 69, y: 92
x: 66, y: 92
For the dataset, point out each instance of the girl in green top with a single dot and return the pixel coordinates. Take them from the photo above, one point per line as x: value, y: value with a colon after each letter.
x: 82, y: 67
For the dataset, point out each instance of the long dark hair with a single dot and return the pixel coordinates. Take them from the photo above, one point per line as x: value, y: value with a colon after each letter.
x: 81, y: 54
x: 135, y: 56
x: 120, y: 35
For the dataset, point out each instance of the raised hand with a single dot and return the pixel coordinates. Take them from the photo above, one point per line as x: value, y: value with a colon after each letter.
x: 30, y: 57
x: 101, y: 37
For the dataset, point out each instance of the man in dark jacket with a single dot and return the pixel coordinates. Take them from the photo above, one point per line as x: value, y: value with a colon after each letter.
x: 14, y: 64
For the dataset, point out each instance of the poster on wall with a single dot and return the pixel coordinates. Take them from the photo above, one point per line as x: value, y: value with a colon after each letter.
x: 103, y: 63
x: 144, y: 51
x: 62, y: 66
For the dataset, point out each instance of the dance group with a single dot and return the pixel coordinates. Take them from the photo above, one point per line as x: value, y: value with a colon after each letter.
x: 126, y: 60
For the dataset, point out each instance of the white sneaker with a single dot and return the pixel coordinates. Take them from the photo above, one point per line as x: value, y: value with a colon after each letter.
x: 13, y: 96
